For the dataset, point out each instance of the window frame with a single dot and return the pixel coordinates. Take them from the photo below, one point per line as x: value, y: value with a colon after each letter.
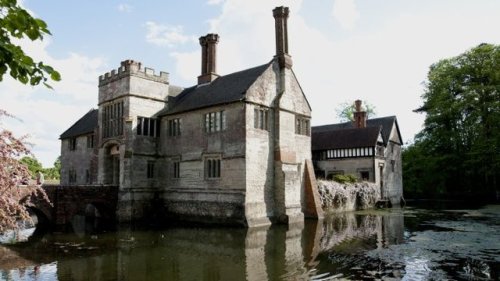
x: 90, y: 141
x: 72, y: 176
x: 212, y: 166
x: 148, y: 127
x: 215, y: 121
x: 112, y: 119
x: 150, y: 169
x: 72, y: 144
x: 302, y: 126
x: 261, y: 118
x: 175, y: 168
x: 174, y: 127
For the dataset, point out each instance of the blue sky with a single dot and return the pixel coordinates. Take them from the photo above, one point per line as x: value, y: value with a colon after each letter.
x: 374, y: 50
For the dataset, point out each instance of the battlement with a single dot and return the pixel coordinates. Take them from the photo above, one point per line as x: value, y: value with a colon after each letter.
x: 134, y: 68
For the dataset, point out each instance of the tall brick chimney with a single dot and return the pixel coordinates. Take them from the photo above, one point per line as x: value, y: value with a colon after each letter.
x: 280, y: 15
x: 208, y: 58
x: 359, y: 115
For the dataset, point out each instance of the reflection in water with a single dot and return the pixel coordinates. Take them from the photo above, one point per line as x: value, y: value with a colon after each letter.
x: 361, y: 245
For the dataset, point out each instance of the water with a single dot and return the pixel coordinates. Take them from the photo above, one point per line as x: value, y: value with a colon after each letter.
x: 408, y: 244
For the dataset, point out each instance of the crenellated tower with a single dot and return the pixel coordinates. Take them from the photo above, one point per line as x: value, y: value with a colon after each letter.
x: 129, y: 99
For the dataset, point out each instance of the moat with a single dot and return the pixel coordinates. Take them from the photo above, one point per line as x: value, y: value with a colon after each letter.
x: 414, y: 243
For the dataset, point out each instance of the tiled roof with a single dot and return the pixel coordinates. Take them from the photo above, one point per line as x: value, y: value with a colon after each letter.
x: 85, y: 125
x: 345, y: 138
x: 385, y: 122
x: 225, y: 89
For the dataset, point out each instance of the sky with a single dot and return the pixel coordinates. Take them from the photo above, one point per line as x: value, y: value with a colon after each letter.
x: 342, y: 50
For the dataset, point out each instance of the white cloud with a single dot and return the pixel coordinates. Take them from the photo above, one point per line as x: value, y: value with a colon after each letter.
x: 346, y: 13
x: 384, y: 66
x: 187, y: 65
x: 244, y: 30
x: 166, y: 35
x: 45, y: 113
x: 125, y: 8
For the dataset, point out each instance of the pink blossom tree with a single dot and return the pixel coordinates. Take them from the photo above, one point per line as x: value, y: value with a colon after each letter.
x: 14, y: 197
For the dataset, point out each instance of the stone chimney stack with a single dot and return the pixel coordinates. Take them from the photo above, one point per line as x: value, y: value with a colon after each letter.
x: 208, y: 58
x: 280, y: 15
x: 359, y: 115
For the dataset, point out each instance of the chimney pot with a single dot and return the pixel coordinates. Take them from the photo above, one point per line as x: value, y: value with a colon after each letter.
x: 357, y: 104
x: 359, y: 115
x: 280, y: 15
x: 208, y: 58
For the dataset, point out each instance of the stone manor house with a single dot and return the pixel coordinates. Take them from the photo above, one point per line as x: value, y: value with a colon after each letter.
x: 231, y: 148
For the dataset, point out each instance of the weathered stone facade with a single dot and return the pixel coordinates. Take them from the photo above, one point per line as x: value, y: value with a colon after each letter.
x: 79, y: 155
x: 231, y: 149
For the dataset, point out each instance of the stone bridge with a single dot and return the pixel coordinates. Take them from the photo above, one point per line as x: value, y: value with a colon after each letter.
x: 68, y: 201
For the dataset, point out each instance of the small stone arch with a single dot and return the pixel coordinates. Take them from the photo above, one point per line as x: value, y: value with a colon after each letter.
x: 43, y: 222
x: 91, y: 211
x: 43, y: 216
x: 91, y: 217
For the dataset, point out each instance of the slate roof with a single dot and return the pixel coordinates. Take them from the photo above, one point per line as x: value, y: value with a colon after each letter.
x: 385, y: 122
x: 84, y: 125
x: 345, y: 138
x: 225, y: 89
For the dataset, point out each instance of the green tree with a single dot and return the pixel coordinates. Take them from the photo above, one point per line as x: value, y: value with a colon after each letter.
x: 460, y: 141
x: 16, y: 22
x: 33, y: 165
x: 57, y: 164
x: 345, y: 111
x: 53, y: 173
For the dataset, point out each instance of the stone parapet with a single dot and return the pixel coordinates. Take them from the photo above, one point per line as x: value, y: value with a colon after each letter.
x: 131, y: 67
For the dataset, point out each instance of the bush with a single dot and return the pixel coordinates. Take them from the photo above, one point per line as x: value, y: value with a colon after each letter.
x: 345, y: 178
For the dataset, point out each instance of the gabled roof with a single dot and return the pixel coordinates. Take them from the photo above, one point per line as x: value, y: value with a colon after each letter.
x: 84, y: 125
x: 345, y: 138
x: 385, y: 122
x: 225, y: 89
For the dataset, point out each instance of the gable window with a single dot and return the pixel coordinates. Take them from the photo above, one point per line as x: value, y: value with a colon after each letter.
x: 302, y: 126
x: 150, y: 169
x: 215, y: 121
x: 174, y: 127
x: 393, y: 163
x: 112, y: 116
x: 261, y: 120
x: 148, y: 127
x: 212, y: 168
x: 72, y: 144
x: 90, y: 141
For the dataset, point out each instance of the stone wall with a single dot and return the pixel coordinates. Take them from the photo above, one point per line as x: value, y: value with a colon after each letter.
x: 82, y: 160
x: 291, y: 149
x: 276, y: 157
x: 68, y: 201
x: 193, y: 195
x: 393, y: 176
x: 338, y: 198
